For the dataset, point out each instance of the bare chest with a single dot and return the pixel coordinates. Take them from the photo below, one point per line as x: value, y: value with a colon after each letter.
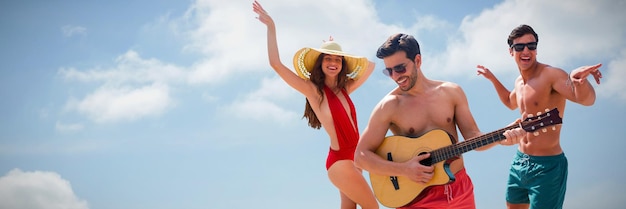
x: 415, y: 117
x: 536, y: 96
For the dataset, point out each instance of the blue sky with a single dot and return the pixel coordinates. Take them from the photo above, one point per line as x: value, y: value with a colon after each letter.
x: 169, y: 104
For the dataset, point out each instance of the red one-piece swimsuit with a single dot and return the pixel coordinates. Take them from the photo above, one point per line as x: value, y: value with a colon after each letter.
x: 347, y: 134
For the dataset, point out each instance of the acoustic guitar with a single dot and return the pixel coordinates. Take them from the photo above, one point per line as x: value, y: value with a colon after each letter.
x: 397, y: 191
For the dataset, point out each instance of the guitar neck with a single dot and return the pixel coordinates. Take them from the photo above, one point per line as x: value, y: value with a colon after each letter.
x: 457, y: 149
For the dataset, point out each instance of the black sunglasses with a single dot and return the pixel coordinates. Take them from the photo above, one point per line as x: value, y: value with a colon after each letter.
x: 520, y: 47
x: 400, y: 69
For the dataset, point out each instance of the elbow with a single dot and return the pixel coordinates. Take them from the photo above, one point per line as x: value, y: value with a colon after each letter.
x: 509, y: 103
x: 588, y: 98
x: 589, y: 102
x: 511, y: 106
x: 358, y: 159
x: 358, y: 162
x: 275, y: 64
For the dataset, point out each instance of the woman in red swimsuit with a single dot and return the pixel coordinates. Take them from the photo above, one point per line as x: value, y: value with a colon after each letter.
x: 326, y: 76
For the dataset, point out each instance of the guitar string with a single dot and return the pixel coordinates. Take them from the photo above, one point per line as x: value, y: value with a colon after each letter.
x: 473, y: 143
x: 468, y: 145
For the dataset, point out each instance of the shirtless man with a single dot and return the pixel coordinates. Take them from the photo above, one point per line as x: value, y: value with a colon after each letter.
x: 417, y: 106
x: 538, y: 174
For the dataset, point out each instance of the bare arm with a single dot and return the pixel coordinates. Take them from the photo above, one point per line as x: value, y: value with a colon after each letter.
x: 463, y: 117
x: 303, y: 86
x: 468, y: 127
x: 355, y: 84
x: 575, y: 86
x: 507, y: 97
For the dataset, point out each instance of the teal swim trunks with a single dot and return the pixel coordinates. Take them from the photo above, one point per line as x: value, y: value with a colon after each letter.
x: 537, y: 180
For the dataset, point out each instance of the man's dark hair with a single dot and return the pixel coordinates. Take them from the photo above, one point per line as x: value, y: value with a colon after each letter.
x: 399, y: 42
x: 520, y: 31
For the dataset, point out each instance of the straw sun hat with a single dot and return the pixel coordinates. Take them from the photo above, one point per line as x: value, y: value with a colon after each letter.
x: 305, y: 58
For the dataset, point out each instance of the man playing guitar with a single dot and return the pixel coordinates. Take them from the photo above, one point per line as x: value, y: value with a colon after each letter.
x: 417, y: 106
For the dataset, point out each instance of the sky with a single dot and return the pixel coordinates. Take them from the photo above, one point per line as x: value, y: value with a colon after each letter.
x: 167, y: 104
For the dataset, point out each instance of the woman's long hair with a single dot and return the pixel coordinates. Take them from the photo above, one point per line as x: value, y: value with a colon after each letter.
x: 318, y: 77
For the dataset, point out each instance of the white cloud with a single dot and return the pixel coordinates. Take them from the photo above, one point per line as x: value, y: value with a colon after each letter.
x: 220, y: 30
x: 37, y: 190
x: 262, y: 110
x: 274, y: 88
x: 133, y: 89
x: 129, y: 67
x: 612, y: 84
x: 212, y: 71
x: 111, y: 104
x: 71, y: 30
x: 234, y: 42
x: 263, y: 104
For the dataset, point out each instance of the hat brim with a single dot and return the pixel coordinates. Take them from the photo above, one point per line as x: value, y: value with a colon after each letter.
x: 305, y: 58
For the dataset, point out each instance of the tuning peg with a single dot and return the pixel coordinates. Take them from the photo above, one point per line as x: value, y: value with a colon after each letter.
x: 530, y: 115
x: 538, y: 113
x: 536, y: 133
x: 554, y: 128
x: 544, y: 130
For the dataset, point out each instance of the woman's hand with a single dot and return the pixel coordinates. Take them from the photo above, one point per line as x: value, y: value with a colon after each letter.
x: 263, y: 16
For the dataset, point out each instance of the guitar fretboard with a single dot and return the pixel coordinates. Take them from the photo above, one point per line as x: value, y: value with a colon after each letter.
x: 455, y: 150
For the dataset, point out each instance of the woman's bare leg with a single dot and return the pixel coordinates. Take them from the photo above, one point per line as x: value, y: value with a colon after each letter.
x: 346, y: 202
x: 351, y: 184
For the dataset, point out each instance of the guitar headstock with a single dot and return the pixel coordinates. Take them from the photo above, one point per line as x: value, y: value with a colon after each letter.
x: 541, y: 121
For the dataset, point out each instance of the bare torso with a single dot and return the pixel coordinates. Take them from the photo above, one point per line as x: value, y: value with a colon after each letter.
x: 533, y: 97
x: 415, y: 114
x: 325, y: 116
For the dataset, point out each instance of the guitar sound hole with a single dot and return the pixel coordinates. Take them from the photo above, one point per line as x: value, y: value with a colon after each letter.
x: 427, y: 161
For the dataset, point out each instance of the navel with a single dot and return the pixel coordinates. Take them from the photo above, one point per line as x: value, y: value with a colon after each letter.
x: 411, y: 131
x: 449, y: 120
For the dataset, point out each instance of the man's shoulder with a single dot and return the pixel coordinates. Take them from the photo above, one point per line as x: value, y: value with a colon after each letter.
x: 392, y: 98
x: 447, y: 86
x: 552, y: 73
x: 549, y: 68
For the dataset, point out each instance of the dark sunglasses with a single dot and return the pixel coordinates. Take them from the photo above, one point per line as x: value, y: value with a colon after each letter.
x: 520, y: 47
x: 399, y: 69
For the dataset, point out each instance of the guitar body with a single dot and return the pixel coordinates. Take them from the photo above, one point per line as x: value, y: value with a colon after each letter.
x: 402, y: 149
